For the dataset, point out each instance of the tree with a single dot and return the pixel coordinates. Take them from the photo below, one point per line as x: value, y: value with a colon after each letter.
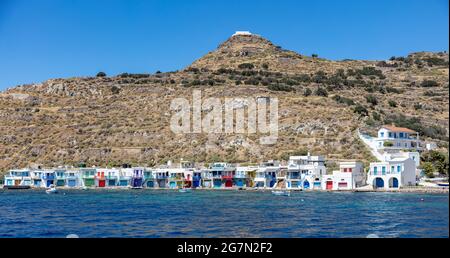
x: 428, y: 169
x: 101, y: 74
x: 314, y: 55
x: 438, y: 160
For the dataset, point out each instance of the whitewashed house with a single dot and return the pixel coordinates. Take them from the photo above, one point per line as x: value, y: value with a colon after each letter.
x: 18, y: 177
x: 349, y: 176
x: 311, y: 169
x: 266, y: 174
x: 392, y: 139
x: 392, y: 174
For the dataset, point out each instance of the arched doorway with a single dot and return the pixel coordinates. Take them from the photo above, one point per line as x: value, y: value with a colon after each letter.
x: 378, y: 182
x: 306, y: 184
x: 393, y: 182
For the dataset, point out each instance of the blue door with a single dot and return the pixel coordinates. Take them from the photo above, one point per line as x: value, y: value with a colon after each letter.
x: 217, y: 183
x: 379, y: 182
x: 395, y: 182
x: 306, y: 184
x: 272, y: 183
x: 240, y: 183
x: 137, y: 182
x: 196, y: 183
x: 49, y: 182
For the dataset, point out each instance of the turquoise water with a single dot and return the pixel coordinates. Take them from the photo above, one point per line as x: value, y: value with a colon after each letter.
x: 159, y: 213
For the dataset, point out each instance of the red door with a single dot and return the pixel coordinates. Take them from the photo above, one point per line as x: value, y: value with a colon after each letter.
x: 228, y: 183
x: 329, y: 185
x: 101, y: 183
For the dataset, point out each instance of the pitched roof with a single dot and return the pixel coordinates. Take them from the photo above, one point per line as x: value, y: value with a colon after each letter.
x: 398, y: 129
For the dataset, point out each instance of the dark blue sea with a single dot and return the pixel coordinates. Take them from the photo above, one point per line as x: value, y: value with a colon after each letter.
x: 164, y: 213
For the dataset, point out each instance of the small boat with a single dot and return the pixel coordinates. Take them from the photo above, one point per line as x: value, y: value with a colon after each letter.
x: 84, y: 188
x: 184, y: 190
x: 52, y: 189
x: 442, y: 184
x: 281, y: 193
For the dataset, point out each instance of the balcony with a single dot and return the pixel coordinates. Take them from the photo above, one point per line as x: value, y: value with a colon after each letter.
x: 382, y: 173
x: 48, y: 177
x: 161, y: 177
x: 196, y: 178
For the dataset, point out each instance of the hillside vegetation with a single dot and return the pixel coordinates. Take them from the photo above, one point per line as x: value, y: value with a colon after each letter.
x: 125, y: 118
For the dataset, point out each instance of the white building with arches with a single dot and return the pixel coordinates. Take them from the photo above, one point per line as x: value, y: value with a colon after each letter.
x: 392, y: 174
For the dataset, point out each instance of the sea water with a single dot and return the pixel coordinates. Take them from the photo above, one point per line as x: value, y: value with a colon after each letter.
x: 165, y: 213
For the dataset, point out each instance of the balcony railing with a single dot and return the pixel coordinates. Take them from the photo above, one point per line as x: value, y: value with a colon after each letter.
x: 382, y: 173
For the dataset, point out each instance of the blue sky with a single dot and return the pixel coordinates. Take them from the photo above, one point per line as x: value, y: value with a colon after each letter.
x: 43, y: 39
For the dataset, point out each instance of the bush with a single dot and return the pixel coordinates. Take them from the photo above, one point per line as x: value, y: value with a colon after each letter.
x: 376, y: 116
x: 388, y: 144
x: 428, y: 169
x: 319, y: 77
x: 280, y: 87
x: 369, y: 70
x: 101, y: 74
x: 372, y: 100
x: 417, y: 106
x: 307, y: 92
x: 314, y: 55
x: 430, y: 93
x: 392, y: 103
x: 393, y: 90
x: 265, y: 66
x: 343, y: 100
x: 361, y: 110
x: 115, y: 90
x: 246, y: 66
x: 251, y: 81
x: 439, y: 161
x: 321, y: 92
x: 429, y: 83
x: 435, y: 61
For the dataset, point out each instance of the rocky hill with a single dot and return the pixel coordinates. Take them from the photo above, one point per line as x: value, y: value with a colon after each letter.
x: 112, y: 120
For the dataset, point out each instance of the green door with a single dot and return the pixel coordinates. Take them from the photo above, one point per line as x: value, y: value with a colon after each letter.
x: 88, y: 182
